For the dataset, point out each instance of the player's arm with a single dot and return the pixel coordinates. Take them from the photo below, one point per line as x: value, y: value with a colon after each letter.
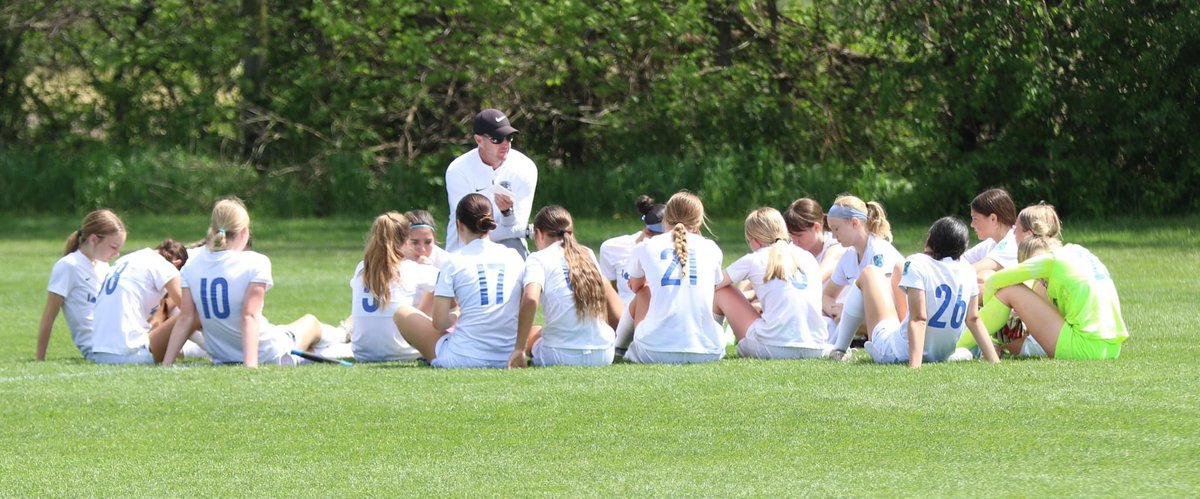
x: 251, y: 312
x: 829, y: 304
x: 986, y: 264
x: 188, y: 322
x: 441, y: 313
x: 917, y: 324
x: 1038, y: 267
x: 979, y: 332
x: 529, y: 304
x: 54, y: 303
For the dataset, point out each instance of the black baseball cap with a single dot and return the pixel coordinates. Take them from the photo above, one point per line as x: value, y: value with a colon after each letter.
x: 493, y: 123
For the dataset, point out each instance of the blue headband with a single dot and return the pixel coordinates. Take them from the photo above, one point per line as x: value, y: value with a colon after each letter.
x: 842, y: 211
x: 423, y: 226
x: 655, y: 227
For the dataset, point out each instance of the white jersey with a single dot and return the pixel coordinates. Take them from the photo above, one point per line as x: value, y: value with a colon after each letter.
x: 614, y: 254
x: 791, y: 310
x: 563, y: 329
x: 680, y: 316
x: 129, y: 297
x: 1003, y: 252
x: 468, y: 173
x: 879, y: 253
x: 949, y: 285
x: 485, y: 278
x: 218, y: 282
x: 76, y: 279
x: 375, y: 337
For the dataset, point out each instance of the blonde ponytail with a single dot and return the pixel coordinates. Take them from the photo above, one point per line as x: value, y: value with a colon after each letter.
x: 685, y: 213
x: 877, y: 222
x: 229, y: 216
x: 767, y: 227
x: 679, y: 236
x: 382, y: 256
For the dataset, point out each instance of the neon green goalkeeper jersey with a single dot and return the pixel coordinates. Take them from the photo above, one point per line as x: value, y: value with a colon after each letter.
x: 1078, y: 284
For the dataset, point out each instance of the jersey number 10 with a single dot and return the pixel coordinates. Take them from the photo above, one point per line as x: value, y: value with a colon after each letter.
x: 216, y: 292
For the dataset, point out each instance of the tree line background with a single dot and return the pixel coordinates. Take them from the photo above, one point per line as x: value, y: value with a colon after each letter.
x: 320, y: 107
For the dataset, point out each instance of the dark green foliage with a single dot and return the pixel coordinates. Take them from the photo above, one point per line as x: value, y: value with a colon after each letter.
x: 355, y: 107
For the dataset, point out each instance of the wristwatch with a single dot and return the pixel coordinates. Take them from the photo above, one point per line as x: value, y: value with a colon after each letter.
x: 507, y: 212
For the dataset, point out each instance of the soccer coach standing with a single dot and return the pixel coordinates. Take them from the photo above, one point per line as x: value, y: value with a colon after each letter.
x: 494, y: 162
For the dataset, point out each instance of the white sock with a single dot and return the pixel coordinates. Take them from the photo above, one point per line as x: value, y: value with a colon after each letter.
x: 852, y: 318
x: 624, y: 329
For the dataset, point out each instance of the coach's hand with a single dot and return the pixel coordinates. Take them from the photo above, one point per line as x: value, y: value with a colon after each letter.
x: 517, y: 359
x: 503, y: 202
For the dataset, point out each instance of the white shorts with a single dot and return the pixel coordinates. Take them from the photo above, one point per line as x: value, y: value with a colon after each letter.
x: 638, y: 355
x: 139, y: 356
x: 887, y: 345
x: 752, y: 347
x: 447, y: 358
x: 544, y: 355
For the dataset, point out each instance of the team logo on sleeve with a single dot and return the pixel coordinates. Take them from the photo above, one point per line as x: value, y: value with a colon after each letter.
x: 905, y: 271
x: 879, y: 261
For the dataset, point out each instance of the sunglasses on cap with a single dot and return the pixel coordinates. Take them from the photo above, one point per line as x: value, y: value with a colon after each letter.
x: 500, y: 140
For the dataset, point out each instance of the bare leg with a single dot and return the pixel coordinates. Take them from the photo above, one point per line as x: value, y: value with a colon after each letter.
x: 1042, y: 319
x: 877, y: 297
x: 159, y: 336
x: 307, y: 330
x: 731, y: 303
x: 417, y: 329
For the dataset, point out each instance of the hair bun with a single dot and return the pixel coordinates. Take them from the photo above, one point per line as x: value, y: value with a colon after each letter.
x: 486, y: 223
x: 644, y: 204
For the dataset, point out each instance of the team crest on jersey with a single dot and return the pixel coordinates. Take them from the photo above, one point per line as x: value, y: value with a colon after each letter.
x: 905, y: 271
x: 506, y: 184
x: 879, y: 261
x: 1000, y: 247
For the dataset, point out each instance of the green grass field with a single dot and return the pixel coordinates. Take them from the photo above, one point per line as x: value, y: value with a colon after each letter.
x: 738, y: 427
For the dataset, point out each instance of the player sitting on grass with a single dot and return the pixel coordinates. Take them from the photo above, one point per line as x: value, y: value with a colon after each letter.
x: 129, y: 298
x: 383, y: 281
x: 578, y: 304
x: 76, y: 278
x: 1080, y: 315
x: 787, y: 281
x: 864, y: 230
x: 484, y: 279
x: 675, y: 276
x: 943, y: 299
x: 223, y: 293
